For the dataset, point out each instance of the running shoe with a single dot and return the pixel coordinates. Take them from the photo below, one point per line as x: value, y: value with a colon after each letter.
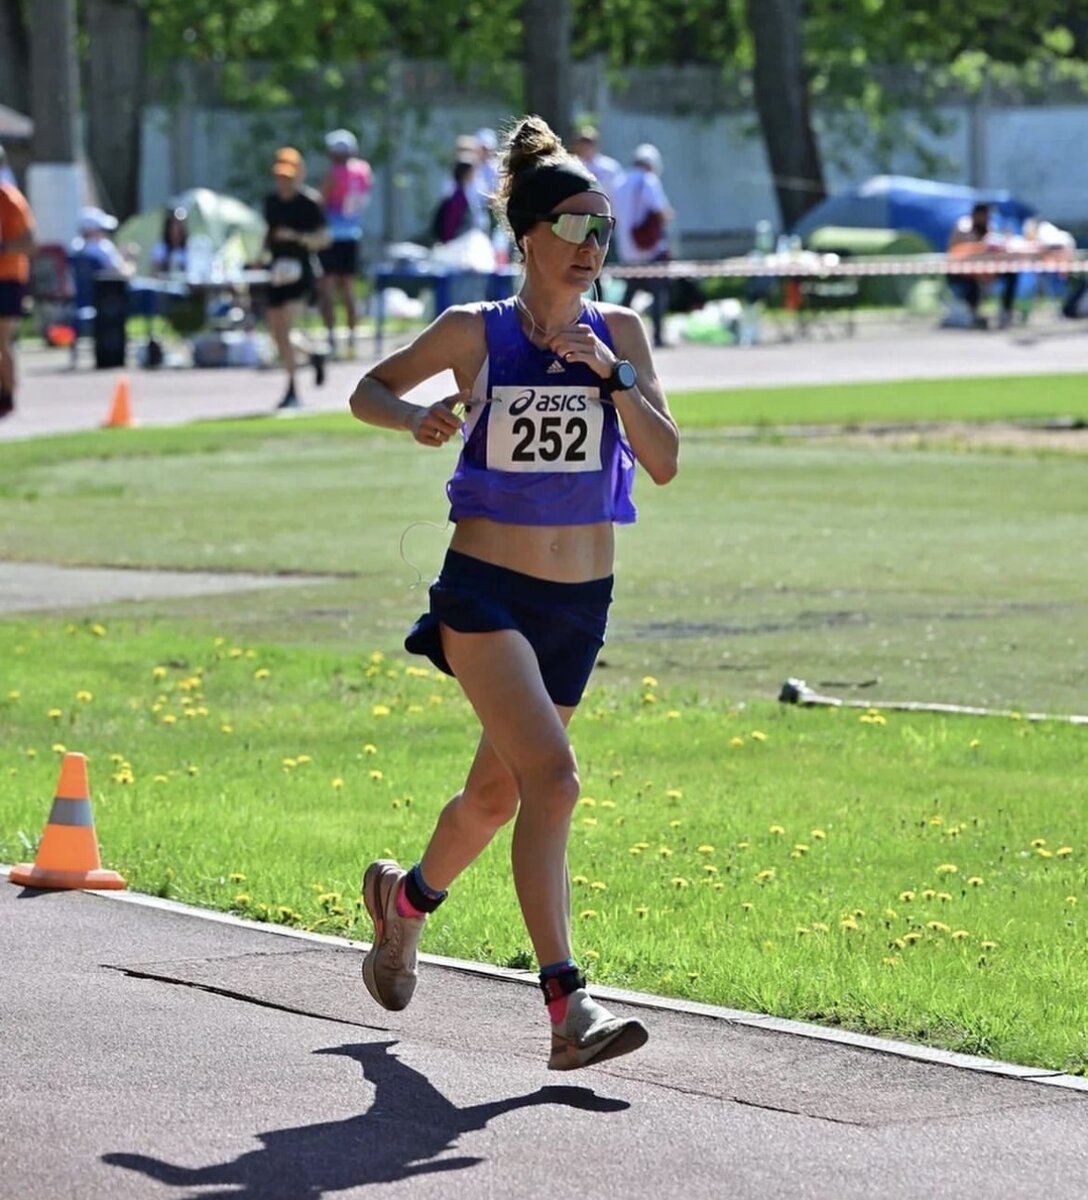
x: 290, y: 400
x: 318, y: 361
x: 589, y: 1033
x: 389, y: 969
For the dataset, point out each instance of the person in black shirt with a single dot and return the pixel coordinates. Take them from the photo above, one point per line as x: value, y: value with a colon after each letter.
x: 296, y: 231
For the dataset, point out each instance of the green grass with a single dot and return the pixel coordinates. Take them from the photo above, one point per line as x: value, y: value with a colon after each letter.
x: 885, y: 573
x: 789, y: 861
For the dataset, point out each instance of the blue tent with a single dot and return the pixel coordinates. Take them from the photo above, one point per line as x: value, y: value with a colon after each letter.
x: 898, y: 202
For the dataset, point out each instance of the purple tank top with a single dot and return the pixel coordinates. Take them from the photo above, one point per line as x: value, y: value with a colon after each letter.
x: 542, y: 443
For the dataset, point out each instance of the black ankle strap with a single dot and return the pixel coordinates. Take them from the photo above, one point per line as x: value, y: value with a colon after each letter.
x: 562, y: 985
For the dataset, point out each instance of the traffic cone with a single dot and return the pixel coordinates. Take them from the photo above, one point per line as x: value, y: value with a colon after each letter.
x: 68, y: 852
x: 121, y: 409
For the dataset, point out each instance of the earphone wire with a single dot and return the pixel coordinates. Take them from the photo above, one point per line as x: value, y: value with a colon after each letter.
x: 404, y: 557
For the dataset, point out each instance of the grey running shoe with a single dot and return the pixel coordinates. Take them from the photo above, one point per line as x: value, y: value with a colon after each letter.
x: 389, y: 969
x: 590, y: 1033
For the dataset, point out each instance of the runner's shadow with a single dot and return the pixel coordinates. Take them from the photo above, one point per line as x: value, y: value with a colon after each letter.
x: 408, y: 1125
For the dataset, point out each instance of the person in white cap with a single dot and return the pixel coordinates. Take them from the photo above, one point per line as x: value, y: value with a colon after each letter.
x: 642, y: 214
x: 92, y: 241
x: 587, y: 145
x: 345, y: 192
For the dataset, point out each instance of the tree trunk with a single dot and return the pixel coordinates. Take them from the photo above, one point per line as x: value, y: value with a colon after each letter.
x: 781, y: 87
x: 547, y: 25
x: 117, y: 46
x: 14, y: 57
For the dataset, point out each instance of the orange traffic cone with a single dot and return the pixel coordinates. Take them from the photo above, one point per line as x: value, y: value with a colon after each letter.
x: 68, y: 851
x: 121, y: 409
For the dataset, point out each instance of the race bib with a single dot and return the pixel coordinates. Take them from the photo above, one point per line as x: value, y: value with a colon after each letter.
x: 546, y: 428
x: 284, y: 272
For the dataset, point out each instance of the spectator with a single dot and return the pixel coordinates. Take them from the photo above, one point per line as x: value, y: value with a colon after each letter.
x: 346, y: 192
x: 296, y: 232
x: 16, y: 246
x: 608, y: 172
x: 971, y: 237
x: 642, y: 216
x: 170, y: 253
x: 92, y: 242
x: 487, y: 168
x: 456, y: 211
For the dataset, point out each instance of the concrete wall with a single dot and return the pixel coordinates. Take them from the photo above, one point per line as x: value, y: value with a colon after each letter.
x: 716, y: 170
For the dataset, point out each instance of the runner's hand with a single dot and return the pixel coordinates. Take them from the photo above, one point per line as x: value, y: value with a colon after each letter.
x: 580, y: 344
x: 434, y: 426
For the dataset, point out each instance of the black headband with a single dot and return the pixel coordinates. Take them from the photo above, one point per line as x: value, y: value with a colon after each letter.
x: 538, y: 190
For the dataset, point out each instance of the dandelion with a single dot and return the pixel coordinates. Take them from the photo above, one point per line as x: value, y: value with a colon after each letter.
x: 1063, y: 851
x: 974, y: 743
x: 59, y: 748
x: 936, y: 820
x: 757, y: 735
x: 747, y: 905
x: 736, y: 741
x: 587, y: 914
x: 988, y: 945
x: 336, y: 784
x: 766, y: 874
x: 928, y: 894
x: 777, y: 830
x: 635, y: 850
x: 947, y: 869
x: 376, y: 656
x: 162, y: 778
x: 1070, y: 899
x: 937, y: 926
x: 848, y: 923
x: 579, y: 879
x: 587, y: 802
x: 193, y: 769
x: 55, y: 713
x: 1042, y: 852
x: 13, y: 695
x: 743, y: 845
x: 674, y: 794
x: 303, y: 759
x: 944, y: 897
x: 975, y: 881
x: 233, y: 652
x: 226, y: 728
x: 710, y: 868
x: 912, y: 937
x: 377, y: 775
x: 599, y: 885
x: 673, y: 714
x: 242, y: 899
x: 290, y: 763
x: 959, y: 934
x: 665, y: 852
x: 168, y: 719
x: 370, y: 749
x: 675, y: 824
x: 261, y: 673
x: 1037, y: 842
x: 380, y: 710
x: 642, y: 911
x: 678, y: 881
x: 608, y: 804
x: 820, y: 927
x: 802, y: 930
x: 84, y: 697
x: 818, y: 835
x: 800, y: 848
x: 98, y: 630
x: 890, y: 914
x: 236, y: 877
x: 31, y: 752
x: 705, y: 849
x: 591, y: 821
x: 648, y: 681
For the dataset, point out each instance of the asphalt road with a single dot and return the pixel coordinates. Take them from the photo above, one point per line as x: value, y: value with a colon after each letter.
x: 149, y: 1052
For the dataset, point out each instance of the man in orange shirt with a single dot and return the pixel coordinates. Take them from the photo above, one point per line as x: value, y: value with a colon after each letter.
x: 16, y: 244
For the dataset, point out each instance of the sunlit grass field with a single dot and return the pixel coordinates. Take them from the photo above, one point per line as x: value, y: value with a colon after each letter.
x: 915, y: 875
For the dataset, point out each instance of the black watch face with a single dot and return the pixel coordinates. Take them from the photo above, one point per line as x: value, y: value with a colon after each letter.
x: 625, y: 374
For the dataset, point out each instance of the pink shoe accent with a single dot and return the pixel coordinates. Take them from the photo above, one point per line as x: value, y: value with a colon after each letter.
x: 405, y: 908
x: 557, y: 1009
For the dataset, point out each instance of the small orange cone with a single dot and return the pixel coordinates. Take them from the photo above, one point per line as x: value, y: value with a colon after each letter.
x: 121, y: 409
x: 68, y: 851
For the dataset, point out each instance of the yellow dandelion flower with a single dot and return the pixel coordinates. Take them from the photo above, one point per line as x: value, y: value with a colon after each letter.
x: 947, y: 869
x: 226, y: 728
x: 236, y: 877
x: 336, y: 783
x: 743, y: 845
x: 975, y: 881
x: 376, y: 656
x: 988, y: 945
x: 235, y: 652
x: 974, y: 743
x: 608, y: 804
x: 747, y: 905
x: 643, y: 845
x: 673, y: 715
x: 801, y: 848
x: 777, y: 830
x: 936, y: 820
x: 1070, y: 899
x: 241, y: 899
x: 587, y: 914
x: 675, y: 824
x: 14, y: 695
x: 665, y: 852
x: 674, y: 794
x: 587, y: 802
x: 898, y: 943
x: 649, y: 698
x: 635, y: 850
x: 168, y: 719
x: 55, y: 713
x: 598, y: 885
x: 710, y: 868
x: 706, y: 849
x: 579, y: 879
x: 765, y: 874
x: 1037, y: 842
x: 959, y: 934
x: 912, y: 937
x: 592, y: 955
x: 290, y: 763
x: 820, y: 927
x: 929, y: 893
x: 937, y: 926
x: 890, y: 914
x: 757, y: 735
x: 1063, y: 851
x: 302, y: 759
x: 642, y: 910
x: 848, y: 923
x: 31, y: 752
x: 370, y: 749
x: 1043, y: 852
x: 380, y: 710
x: 377, y: 775
x: 98, y: 630
x: 944, y: 897
x: 261, y: 673
x: 591, y: 821
x: 736, y: 741
x: 890, y: 960
x: 162, y: 778
x: 802, y: 930
x: 649, y: 681
x: 817, y: 835
x: 193, y: 769
x: 678, y: 881
x: 84, y: 697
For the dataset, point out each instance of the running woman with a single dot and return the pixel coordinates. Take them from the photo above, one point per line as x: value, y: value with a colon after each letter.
x: 560, y: 400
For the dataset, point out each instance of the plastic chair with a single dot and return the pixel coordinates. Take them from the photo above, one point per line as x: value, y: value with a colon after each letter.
x: 82, y: 312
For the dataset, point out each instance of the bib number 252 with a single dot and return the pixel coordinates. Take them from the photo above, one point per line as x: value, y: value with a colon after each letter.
x: 549, y: 439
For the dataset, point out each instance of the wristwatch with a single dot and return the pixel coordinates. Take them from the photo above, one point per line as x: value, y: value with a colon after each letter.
x: 623, y: 377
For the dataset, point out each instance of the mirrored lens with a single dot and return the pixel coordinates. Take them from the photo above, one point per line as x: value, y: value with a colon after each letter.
x: 576, y: 227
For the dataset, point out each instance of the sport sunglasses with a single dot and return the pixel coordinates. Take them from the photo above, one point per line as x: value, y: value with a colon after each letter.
x: 576, y: 227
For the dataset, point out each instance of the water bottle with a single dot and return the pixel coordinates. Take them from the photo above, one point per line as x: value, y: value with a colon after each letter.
x: 764, y: 237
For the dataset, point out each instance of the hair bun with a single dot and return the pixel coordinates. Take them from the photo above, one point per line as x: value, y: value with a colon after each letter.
x: 532, y: 140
